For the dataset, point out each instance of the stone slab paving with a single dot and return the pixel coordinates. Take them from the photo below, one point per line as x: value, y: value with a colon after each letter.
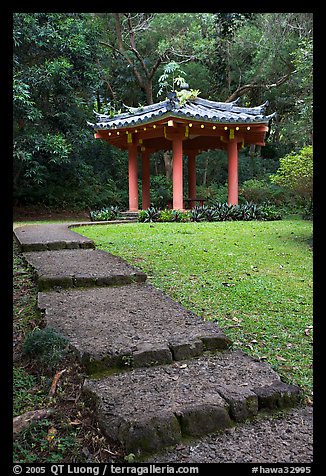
x: 80, y: 267
x: 134, y: 324
x: 50, y: 237
x: 149, y: 409
x: 171, y: 385
x: 273, y: 437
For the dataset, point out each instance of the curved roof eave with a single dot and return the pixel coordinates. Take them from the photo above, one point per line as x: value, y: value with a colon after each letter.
x: 196, y: 110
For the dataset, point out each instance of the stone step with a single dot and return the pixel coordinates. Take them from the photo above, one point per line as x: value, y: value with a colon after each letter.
x: 128, y: 326
x: 149, y: 409
x: 80, y: 267
x: 130, y: 214
x: 50, y: 237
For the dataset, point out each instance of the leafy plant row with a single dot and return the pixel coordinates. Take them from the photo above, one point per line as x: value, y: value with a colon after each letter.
x: 216, y: 212
x: 105, y: 214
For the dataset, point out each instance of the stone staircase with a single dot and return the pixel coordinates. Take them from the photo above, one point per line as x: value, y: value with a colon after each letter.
x: 130, y: 216
x: 157, y: 373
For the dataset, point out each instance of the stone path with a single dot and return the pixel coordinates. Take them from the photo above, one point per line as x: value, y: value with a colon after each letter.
x: 157, y: 373
x: 68, y: 268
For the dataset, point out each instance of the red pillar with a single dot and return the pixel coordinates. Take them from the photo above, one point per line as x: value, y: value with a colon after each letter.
x: 133, y: 178
x: 192, y: 175
x: 177, y: 178
x: 145, y: 181
x: 233, y: 173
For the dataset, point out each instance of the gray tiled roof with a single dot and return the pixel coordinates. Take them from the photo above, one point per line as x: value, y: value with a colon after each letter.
x: 196, y: 109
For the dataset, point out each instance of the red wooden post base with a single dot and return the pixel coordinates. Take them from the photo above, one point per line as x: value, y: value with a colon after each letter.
x: 192, y: 176
x: 133, y: 178
x: 177, y: 177
x: 145, y: 181
x: 232, y: 173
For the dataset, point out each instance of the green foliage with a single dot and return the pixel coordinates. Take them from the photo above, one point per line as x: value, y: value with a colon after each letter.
x: 296, y: 172
x: 303, y: 63
x: 180, y: 216
x: 259, y: 191
x: 216, y: 212
x: 161, y: 191
x: 46, y: 346
x: 128, y: 360
x: 35, y: 445
x: 111, y: 213
x: 197, y: 214
x: 130, y: 458
x: 169, y: 79
x: 167, y: 215
x: 53, y: 80
x: 213, y: 191
x: 142, y: 216
x: 150, y: 215
x: 269, y: 212
x: 296, y: 175
x: 24, y: 396
x: 184, y: 95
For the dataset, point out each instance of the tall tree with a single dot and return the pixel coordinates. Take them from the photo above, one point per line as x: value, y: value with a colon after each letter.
x: 128, y: 26
x: 54, y: 76
x: 144, y: 42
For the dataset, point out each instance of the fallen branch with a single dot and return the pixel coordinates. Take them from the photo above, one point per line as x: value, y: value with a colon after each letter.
x: 23, y: 421
x: 55, y: 382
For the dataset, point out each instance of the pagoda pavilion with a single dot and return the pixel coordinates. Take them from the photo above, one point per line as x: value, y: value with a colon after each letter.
x: 186, y: 129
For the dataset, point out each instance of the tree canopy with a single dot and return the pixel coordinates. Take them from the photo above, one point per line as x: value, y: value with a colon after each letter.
x: 66, y: 65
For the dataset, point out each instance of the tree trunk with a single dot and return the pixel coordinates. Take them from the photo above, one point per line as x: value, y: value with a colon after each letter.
x: 168, y: 162
x: 252, y: 150
x: 148, y: 88
x: 205, y: 171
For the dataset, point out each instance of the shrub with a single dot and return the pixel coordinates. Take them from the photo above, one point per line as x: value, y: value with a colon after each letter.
x: 180, y: 216
x: 197, y: 214
x: 269, y: 212
x: 216, y: 212
x: 296, y: 175
x: 150, y: 215
x: 246, y: 211
x: 105, y: 214
x: 223, y: 211
x: 210, y: 214
x: 142, y: 215
x: 47, y: 346
x: 161, y: 191
x: 167, y: 215
x: 215, y: 192
x: 260, y: 191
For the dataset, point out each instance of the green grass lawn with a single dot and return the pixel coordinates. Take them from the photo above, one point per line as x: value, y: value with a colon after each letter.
x: 253, y: 278
x: 41, y: 222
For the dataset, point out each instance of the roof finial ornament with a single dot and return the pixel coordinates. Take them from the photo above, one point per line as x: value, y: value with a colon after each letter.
x: 172, y: 100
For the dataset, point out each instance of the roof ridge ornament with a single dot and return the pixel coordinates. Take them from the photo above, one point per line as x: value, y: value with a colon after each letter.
x: 131, y: 110
x: 173, y: 100
x: 235, y: 101
x: 178, y: 106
